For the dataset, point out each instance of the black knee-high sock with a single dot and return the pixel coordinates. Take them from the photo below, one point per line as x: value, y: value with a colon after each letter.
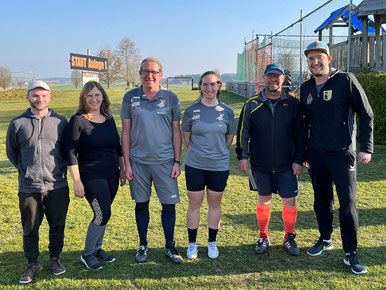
x: 168, y: 218
x: 142, y: 218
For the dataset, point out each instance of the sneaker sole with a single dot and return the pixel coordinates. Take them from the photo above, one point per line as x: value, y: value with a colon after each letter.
x: 84, y: 262
x: 355, y: 272
x: 319, y: 253
x: 25, y: 282
x: 213, y: 257
x: 192, y: 257
x: 110, y: 261
x: 59, y: 273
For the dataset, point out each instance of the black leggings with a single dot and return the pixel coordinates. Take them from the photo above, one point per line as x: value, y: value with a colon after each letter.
x: 100, y: 194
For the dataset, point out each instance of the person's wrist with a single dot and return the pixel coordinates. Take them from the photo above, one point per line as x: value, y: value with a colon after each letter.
x: 179, y: 162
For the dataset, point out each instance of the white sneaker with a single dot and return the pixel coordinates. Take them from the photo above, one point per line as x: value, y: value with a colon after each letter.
x: 192, y: 251
x: 212, y: 250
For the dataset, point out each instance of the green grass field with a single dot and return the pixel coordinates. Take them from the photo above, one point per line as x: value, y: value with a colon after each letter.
x: 236, y: 267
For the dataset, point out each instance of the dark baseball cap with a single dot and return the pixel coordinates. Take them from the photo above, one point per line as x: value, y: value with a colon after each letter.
x: 274, y: 69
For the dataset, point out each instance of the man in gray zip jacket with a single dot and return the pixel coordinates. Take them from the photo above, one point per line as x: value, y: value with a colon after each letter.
x: 35, y: 147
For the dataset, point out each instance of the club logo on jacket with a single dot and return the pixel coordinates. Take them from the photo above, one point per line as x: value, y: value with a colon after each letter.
x: 161, y: 103
x: 327, y: 95
x: 309, y: 99
x: 220, y: 117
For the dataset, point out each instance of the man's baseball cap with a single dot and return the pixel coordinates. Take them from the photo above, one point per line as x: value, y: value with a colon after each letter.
x: 274, y: 69
x: 38, y: 84
x: 317, y: 45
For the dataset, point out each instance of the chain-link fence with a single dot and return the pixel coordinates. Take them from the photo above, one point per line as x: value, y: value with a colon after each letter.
x: 287, y: 46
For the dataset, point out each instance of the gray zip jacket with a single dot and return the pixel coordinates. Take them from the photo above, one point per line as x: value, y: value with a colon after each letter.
x: 35, y: 148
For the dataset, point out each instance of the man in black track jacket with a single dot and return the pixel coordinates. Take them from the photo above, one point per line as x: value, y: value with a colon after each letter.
x: 331, y: 100
x: 271, y: 133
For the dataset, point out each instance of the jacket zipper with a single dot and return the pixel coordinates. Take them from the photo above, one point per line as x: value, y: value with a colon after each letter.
x: 41, y: 153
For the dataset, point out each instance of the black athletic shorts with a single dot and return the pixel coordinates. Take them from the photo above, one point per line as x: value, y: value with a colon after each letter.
x: 285, y: 183
x: 196, y: 179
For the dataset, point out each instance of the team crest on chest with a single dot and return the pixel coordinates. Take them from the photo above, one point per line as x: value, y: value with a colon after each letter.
x: 136, y: 102
x: 220, y: 117
x: 327, y: 95
x: 309, y: 99
x: 196, y: 115
x: 161, y: 104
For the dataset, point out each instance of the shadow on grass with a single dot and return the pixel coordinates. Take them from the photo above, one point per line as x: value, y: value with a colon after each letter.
x: 306, y: 219
x: 233, y: 260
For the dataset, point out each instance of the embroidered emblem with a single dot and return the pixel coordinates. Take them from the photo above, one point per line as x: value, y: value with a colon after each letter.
x: 196, y: 115
x: 327, y: 95
x: 220, y: 117
x: 309, y: 99
x: 161, y: 103
x: 136, y: 102
x: 219, y: 108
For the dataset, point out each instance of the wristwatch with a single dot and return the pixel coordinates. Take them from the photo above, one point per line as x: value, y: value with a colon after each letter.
x: 178, y: 161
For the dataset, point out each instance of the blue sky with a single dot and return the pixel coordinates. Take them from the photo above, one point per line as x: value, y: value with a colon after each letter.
x: 187, y: 36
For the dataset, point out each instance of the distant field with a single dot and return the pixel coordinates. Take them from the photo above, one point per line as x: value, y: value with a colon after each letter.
x: 236, y: 267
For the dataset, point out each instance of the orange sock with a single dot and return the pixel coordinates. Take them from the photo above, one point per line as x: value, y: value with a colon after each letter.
x: 289, y: 218
x: 263, y: 214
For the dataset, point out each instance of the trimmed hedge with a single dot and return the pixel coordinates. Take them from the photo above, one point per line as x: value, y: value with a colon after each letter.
x: 374, y: 85
x: 18, y: 94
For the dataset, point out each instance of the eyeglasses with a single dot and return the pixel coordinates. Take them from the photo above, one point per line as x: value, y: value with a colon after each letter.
x: 147, y: 72
x: 318, y: 58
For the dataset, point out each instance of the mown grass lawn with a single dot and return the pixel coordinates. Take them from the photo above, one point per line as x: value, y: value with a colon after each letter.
x: 236, y: 267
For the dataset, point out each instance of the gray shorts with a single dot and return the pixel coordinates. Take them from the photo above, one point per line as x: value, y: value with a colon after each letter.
x: 160, y: 175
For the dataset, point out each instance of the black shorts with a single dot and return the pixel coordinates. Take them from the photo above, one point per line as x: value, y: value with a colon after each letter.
x: 196, y: 179
x: 285, y: 183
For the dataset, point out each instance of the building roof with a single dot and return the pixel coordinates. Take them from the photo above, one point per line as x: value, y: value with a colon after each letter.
x: 343, y: 13
x: 373, y: 7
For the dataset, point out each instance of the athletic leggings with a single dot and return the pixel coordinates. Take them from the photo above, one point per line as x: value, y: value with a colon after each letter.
x: 100, y: 194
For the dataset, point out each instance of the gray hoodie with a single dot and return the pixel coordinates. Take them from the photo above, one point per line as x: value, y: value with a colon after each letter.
x: 35, y: 148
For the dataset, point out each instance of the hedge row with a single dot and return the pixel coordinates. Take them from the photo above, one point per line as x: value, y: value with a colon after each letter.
x: 17, y: 94
x: 374, y: 85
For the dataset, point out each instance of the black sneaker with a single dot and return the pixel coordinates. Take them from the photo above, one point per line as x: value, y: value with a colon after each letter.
x: 141, y: 255
x: 262, y: 245
x: 104, y: 256
x: 290, y: 245
x: 91, y: 262
x: 173, y: 254
x: 30, y: 272
x: 320, y: 246
x: 56, y: 267
x: 351, y: 259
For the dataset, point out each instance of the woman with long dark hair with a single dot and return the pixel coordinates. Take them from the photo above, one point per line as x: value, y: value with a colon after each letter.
x: 94, y: 156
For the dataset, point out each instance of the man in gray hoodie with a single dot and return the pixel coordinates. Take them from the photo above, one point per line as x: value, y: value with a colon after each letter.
x: 35, y: 147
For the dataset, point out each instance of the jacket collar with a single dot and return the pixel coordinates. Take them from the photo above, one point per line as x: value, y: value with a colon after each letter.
x: 264, y: 98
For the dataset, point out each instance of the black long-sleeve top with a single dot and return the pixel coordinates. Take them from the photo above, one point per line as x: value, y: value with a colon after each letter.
x: 331, y: 114
x: 94, y: 147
